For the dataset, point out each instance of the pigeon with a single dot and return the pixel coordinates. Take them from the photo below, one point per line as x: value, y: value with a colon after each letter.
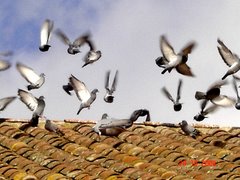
x: 172, y: 60
x: 232, y: 60
x: 118, y: 125
x: 52, y: 127
x: 45, y: 33
x: 213, y: 94
x: 35, y: 80
x: 176, y: 105
x: 93, y: 55
x: 82, y: 93
x: 4, y: 65
x: 109, y: 91
x: 202, y: 114
x: 36, y: 105
x: 73, y: 47
x: 237, y: 105
x: 189, y: 130
x: 4, y: 102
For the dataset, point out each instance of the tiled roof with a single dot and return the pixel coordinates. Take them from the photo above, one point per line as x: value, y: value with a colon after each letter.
x: 144, y: 151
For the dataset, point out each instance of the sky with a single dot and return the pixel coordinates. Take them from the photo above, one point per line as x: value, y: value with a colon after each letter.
x: 128, y: 35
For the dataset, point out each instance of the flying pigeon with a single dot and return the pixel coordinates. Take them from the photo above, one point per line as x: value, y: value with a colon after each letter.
x: 172, y: 60
x: 237, y: 105
x: 109, y: 91
x: 232, y: 60
x: 82, y: 93
x: 188, y: 129
x: 36, y: 105
x: 118, y: 125
x: 4, y: 65
x: 52, y: 127
x: 213, y: 94
x: 45, y: 33
x: 93, y: 55
x: 73, y: 47
x: 35, y: 80
x: 176, y: 105
x: 202, y: 114
x: 4, y: 102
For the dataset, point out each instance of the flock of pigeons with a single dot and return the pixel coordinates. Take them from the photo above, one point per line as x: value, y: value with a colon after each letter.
x: 111, y: 126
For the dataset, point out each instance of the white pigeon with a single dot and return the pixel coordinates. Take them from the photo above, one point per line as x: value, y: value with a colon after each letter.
x: 109, y: 91
x: 45, y: 33
x: 82, y: 93
x: 232, y: 60
x: 172, y: 60
x: 4, y: 102
x: 35, y: 80
x: 36, y: 105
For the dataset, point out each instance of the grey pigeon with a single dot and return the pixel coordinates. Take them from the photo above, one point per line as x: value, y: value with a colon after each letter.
x: 35, y: 80
x: 4, y: 65
x: 73, y: 48
x: 92, y: 55
x: 4, y: 102
x: 237, y: 105
x: 45, y: 33
x: 118, y: 125
x: 109, y: 91
x: 52, y: 127
x: 202, y: 114
x: 82, y: 93
x: 188, y: 129
x: 230, y: 59
x: 176, y: 104
x: 36, y: 105
x: 213, y: 94
x: 172, y: 60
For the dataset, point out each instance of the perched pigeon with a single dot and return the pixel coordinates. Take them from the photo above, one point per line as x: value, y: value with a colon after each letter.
x: 213, y: 94
x: 35, y: 80
x: 188, y: 129
x: 237, y: 105
x: 172, y: 60
x: 82, y: 93
x: 109, y: 91
x: 36, y: 105
x: 93, y: 55
x: 176, y: 105
x: 4, y: 102
x: 118, y: 125
x: 232, y: 60
x: 4, y: 65
x: 45, y: 33
x: 202, y: 114
x: 73, y: 47
x: 52, y: 127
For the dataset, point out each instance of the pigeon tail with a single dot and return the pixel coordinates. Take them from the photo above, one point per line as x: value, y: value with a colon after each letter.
x: 200, y: 95
x: 85, y: 64
x: 44, y: 48
x: 227, y: 74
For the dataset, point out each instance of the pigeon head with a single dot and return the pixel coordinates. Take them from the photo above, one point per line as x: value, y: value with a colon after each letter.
x: 44, y: 48
x: 109, y: 99
x: 41, y: 98
x: 183, y: 123
x: 105, y: 116
x: 177, y: 107
x: 95, y: 91
x: 42, y: 75
x: 237, y: 105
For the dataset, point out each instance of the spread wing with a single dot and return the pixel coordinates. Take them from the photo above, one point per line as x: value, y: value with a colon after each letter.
x: 80, y: 89
x: 224, y: 101
x: 63, y: 37
x: 107, y: 80
x: 81, y: 40
x: 188, y: 48
x: 28, y: 99
x: 27, y: 73
x: 179, y: 90
x: 167, y: 94
x: 114, y: 84
x: 46, y: 29
x: 184, y: 69
x: 4, y: 102
x: 166, y: 49
x: 4, y: 65
x: 228, y: 57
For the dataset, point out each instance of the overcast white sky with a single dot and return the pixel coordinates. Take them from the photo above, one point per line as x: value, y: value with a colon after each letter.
x: 127, y: 33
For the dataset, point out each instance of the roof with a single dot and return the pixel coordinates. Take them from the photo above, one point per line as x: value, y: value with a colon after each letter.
x: 143, y: 151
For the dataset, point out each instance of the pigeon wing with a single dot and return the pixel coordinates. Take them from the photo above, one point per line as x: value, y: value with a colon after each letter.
x: 27, y: 73
x: 224, y: 101
x: 63, y: 37
x: 210, y: 109
x: 4, y: 65
x: 166, y: 49
x: 107, y: 80
x: 228, y: 57
x: 114, y: 84
x: 4, y: 102
x: 235, y: 87
x: 46, y: 29
x: 81, y: 40
x: 28, y: 99
x: 184, y: 69
x: 179, y: 90
x: 188, y: 48
x: 80, y: 89
x: 167, y: 94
